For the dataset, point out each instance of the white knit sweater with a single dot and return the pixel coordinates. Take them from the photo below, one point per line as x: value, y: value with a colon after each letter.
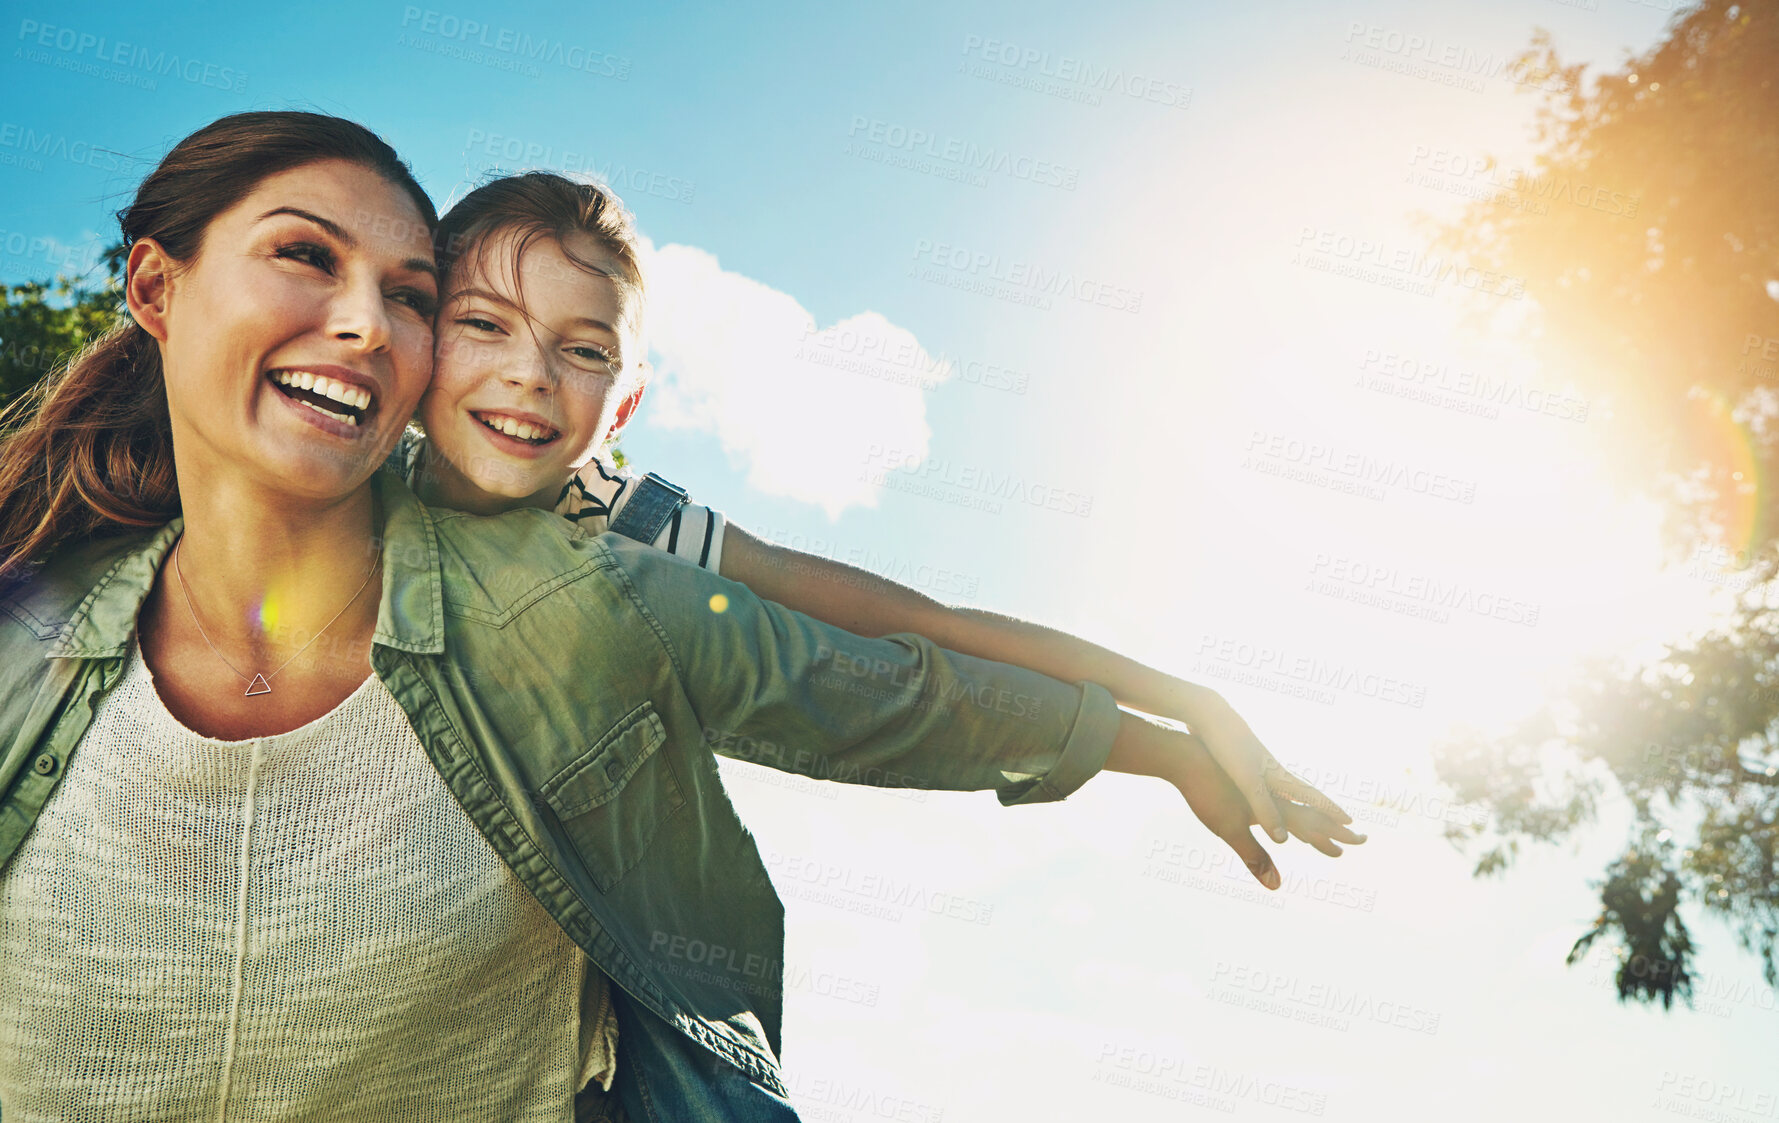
x: 299, y: 927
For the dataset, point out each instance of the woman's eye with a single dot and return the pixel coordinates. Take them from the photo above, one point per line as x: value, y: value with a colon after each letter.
x: 591, y: 354
x: 309, y: 253
x: 478, y: 323
x: 419, y: 301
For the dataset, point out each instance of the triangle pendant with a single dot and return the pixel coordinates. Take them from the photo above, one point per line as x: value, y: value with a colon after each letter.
x: 259, y: 685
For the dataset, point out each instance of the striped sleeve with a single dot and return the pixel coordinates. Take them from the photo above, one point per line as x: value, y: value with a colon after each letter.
x: 405, y: 456
x: 595, y: 494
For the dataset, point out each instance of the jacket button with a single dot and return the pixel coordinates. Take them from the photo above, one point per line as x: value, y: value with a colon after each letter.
x: 612, y: 768
x: 44, y: 764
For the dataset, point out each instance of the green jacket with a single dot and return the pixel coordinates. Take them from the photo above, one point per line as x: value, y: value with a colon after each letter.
x: 571, y: 691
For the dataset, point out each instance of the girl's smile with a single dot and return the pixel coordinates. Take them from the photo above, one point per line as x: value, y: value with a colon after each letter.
x: 517, y: 433
x: 531, y: 345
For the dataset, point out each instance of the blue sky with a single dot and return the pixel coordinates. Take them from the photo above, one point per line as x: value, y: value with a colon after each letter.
x: 1158, y: 347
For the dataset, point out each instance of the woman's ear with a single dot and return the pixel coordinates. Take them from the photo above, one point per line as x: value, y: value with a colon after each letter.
x: 148, y: 275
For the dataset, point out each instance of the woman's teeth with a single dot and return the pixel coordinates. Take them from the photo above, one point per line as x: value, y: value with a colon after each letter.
x: 346, y: 417
x: 326, y: 387
x: 523, y: 430
x: 355, y: 399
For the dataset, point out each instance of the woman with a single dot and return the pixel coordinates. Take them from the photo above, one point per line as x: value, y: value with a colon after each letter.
x: 272, y: 847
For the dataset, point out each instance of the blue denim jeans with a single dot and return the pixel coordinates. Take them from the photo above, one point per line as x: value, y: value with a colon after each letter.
x: 665, y: 1077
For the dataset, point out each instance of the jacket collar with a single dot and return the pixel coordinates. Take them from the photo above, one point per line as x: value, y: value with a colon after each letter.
x: 410, y: 616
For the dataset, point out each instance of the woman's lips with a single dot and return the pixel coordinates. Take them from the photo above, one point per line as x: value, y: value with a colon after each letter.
x: 339, y: 423
x: 333, y: 399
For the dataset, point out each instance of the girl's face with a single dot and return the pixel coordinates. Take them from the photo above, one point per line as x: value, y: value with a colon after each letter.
x: 528, y: 382
x: 297, y: 341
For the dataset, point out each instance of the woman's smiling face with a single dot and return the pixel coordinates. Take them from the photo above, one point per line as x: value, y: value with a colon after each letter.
x: 532, y: 369
x: 299, y: 339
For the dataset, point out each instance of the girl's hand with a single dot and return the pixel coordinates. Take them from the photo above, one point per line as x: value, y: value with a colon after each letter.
x: 1219, y: 804
x: 863, y: 602
x: 1266, y: 786
x: 1149, y: 746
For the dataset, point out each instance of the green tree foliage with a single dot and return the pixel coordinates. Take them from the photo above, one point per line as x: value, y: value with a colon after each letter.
x: 1661, y: 299
x: 42, y: 324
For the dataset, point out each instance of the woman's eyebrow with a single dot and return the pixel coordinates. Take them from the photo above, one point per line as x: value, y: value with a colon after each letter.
x: 417, y: 264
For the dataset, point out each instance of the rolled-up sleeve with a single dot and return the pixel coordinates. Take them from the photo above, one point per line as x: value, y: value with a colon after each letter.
x: 1083, y: 754
x: 778, y: 688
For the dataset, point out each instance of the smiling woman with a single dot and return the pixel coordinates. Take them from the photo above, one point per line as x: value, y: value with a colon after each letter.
x: 294, y: 285
x: 308, y: 310
x: 92, y: 450
x: 264, y: 247
x: 428, y: 868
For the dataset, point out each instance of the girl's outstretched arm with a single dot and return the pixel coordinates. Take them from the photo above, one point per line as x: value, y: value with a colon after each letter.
x: 769, y: 685
x: 862, y: 602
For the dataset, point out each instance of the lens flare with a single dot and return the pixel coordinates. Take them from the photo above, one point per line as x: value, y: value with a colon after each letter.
x: 268, y: 613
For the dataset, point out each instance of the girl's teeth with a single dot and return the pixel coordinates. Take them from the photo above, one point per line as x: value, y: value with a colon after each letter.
x: 523, y: 430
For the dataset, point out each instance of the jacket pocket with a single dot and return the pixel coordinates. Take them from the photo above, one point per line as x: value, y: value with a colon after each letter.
x: 611, y: 833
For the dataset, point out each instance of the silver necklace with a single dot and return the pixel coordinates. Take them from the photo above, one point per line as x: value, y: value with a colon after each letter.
x: 262, y: 683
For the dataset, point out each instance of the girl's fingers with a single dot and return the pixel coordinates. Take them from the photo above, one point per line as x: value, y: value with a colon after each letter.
x: 1254, y: 856
x: 1317, y: 829
x: 1247, y: 766
x: 1304, y: 793
x: 1281, y: 782
x: 1267, y: 812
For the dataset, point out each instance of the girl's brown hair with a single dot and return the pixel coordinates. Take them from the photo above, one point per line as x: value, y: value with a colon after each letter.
x: 89, y: 449
x: 535, y: 205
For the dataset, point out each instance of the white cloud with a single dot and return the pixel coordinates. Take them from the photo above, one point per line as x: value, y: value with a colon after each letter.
x: 802, y: 409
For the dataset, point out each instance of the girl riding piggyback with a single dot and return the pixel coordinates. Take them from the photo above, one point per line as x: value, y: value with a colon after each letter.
x: 540, y: 362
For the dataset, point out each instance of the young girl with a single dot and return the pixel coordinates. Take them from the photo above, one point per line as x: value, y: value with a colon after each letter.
x: 539, y: 364
x: 371, y: 884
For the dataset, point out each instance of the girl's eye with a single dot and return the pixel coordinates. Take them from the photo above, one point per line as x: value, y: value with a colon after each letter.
x: 591, y: 354
x: 478, y: 323
x: 309, y: 253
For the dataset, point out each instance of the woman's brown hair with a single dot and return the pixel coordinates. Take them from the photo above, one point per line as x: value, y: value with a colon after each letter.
x: 89, y: 449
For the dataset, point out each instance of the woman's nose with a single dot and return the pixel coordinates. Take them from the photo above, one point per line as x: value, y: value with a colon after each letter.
x: 358, y: 315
